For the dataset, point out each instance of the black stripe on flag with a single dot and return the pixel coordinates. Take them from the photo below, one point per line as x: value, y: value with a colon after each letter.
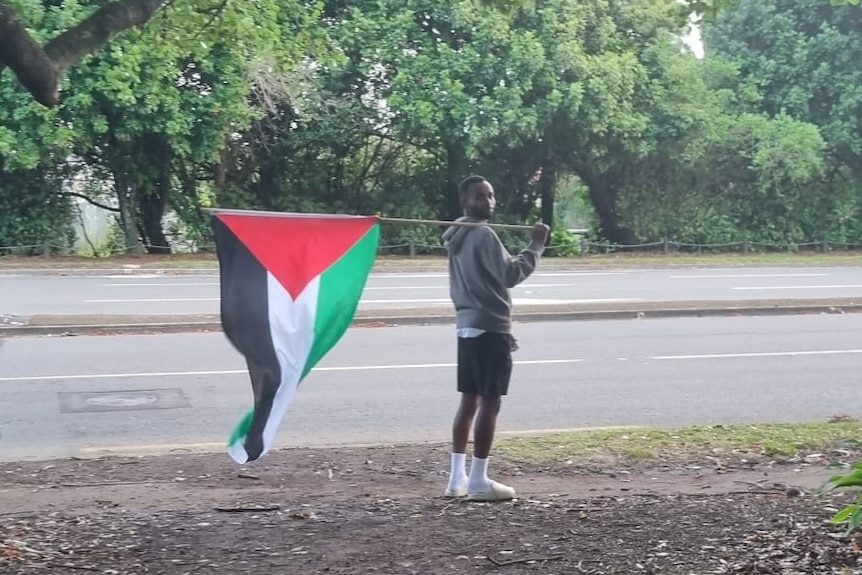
x: 245, y: 321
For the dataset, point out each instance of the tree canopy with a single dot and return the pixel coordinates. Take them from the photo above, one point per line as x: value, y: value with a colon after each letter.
x: 588, y: 111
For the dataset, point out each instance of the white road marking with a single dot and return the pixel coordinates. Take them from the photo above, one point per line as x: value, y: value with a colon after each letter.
x: 380, y: 275
x: 163, y: 284
x: 694, y: 276
x: 751, y: 288
x: 515, y: 301
x: 387, y: 288
x: 130, y: 275
x: 153, y: 300
x: 438, y: 301
x: 243, y: 371
x: 408, y: 275
x: 576, y: 274
x: 124, y: 375
x: 446, y: 286
x: 418, y: 300
x: 759, y: 354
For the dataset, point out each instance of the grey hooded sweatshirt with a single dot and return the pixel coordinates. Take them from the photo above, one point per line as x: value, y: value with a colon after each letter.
x: 481, y: 271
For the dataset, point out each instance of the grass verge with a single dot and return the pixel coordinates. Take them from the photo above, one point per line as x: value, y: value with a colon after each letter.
x: 690, y: 443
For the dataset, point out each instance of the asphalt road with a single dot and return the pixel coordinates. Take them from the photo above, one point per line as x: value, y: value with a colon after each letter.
x: 86, y: 396
x: 199, y: 294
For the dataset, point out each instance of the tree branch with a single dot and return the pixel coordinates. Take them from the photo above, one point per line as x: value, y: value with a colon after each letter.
x: 26, y: 58
x: 39, y: 70
x: 72, y: 45
x: 94, y: 202
x: 214, y: 13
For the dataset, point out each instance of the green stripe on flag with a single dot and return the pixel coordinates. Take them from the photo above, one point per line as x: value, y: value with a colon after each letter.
x: 240, y: 432
x: 340, y: 289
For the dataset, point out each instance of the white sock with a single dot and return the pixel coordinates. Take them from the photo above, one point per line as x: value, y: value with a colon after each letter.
x: 458, y: 470
x: 479, y: 482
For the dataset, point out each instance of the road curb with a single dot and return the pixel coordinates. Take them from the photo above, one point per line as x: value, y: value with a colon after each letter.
x: 85, y: 272
x: 416, y: 319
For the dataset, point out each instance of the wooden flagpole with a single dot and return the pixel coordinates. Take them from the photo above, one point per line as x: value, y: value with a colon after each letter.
x: 407, y: 221
x: 396, y: 221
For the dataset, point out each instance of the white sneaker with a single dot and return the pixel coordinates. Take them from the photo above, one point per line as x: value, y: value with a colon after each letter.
x: 497, y: 492
x: 455, y: 492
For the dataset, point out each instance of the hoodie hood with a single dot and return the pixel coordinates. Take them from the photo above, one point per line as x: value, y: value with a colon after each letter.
x: 454, y: 235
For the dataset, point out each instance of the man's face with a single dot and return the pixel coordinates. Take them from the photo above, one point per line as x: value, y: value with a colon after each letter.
x: 480, y: 201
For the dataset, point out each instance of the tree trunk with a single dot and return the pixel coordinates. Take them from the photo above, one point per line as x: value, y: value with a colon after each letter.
x: 268, y: 187
x: 220, y: 176
x: 152, y: 210
x: 548, y: 189
x: 126, y: 199
x: 519, y: 200
x: 455, y: 167
x: 153, y: 202
x: 603, y: 198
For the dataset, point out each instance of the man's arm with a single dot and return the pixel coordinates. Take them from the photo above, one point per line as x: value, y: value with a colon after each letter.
x: 514, y: 269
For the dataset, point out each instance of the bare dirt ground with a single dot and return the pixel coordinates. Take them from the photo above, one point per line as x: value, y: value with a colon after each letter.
x: 381, y: 510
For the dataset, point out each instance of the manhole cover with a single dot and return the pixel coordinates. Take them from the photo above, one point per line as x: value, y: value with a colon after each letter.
x: 138, y: 399
x: 117, y: 400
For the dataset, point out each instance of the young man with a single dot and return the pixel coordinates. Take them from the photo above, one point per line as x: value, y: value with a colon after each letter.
x: 481, y: 272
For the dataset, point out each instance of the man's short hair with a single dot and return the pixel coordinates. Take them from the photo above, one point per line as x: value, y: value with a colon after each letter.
x: 468, y: 183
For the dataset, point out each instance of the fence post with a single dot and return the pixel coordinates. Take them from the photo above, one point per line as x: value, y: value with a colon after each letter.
x: 585, y: 246
x: 46, y: 249
x: 745, y: 247
x: 412, y: 246
x: 666, y: 246
x: 824, y: 246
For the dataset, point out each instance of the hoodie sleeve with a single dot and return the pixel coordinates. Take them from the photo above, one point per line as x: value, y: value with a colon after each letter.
x: 511, y: 270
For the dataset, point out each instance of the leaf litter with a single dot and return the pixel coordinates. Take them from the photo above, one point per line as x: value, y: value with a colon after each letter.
x: 380, y: 510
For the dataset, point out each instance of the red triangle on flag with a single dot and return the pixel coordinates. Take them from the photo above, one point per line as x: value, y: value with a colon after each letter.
x: 296, y: 249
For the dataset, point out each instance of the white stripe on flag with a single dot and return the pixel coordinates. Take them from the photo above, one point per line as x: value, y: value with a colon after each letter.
x: 291, y: 326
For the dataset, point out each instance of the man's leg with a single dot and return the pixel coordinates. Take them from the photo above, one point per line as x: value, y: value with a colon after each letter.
x: 486, y: 426
x: 463, y: 418
x: 483, y: 439
x: 460, y: 436
x: 497, y: 367
x: 463, y: 422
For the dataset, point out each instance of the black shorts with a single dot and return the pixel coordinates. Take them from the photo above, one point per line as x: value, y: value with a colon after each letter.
x: 484, y: 364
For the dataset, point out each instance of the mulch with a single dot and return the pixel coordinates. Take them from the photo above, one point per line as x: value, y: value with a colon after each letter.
x: 380, y: 510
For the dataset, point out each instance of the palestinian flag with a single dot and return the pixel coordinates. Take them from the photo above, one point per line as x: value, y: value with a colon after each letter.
x: 290, y: 286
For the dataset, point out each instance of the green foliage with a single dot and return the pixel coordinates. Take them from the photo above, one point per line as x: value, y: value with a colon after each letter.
x: 794, y: 160
x: 155, y: 108
x: 710, y: 10
x: 587, y: 111
x: 572, y: 206
x: 852, y: 513
x: 767, y: 175
x: 152, y: 111
x: 804, y: 56
x: 563, y: 243
x: 29, y: 220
